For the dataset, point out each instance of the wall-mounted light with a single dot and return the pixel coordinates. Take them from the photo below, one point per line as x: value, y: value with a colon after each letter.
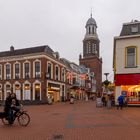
x: 47, y: 75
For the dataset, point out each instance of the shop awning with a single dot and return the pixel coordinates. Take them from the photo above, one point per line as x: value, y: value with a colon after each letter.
x: 75, y: 86
x: 127, y: 79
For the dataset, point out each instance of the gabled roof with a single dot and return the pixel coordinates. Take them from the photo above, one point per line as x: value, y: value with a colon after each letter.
x: 25, y: 51
x: 66, y: 62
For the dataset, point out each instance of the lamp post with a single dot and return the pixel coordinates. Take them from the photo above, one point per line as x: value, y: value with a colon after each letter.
x: 106, y: 82
x: 106, y: 74
x: 47, y: 75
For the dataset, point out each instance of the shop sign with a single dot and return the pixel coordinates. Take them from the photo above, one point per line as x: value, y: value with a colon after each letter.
x: 124, y: 93
x: 126, y: 79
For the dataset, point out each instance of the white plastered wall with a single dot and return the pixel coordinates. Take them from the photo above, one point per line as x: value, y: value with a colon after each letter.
x: 121, y: 44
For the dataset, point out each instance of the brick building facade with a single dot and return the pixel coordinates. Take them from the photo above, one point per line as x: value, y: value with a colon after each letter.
x: 32, y: 73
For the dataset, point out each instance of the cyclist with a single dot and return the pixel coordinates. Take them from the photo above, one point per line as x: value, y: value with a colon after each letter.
x: 15, y: 105
x: 11, y: 104
x: 7, y: 108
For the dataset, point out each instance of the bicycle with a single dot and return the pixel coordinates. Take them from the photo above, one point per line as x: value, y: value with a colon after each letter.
x: 22, y: 117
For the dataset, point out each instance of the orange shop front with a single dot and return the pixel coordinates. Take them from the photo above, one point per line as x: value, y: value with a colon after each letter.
x: 129, y: 85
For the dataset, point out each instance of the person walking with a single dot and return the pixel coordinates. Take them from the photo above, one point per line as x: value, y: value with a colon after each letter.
x: 104, y: 100
x: 120, y: 102
x: 108, y: 102
x: 71, y: 99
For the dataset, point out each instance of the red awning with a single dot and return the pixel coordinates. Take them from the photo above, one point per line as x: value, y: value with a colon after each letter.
x: 127, y: 79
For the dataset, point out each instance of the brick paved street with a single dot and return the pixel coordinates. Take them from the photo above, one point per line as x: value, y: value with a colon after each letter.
x: 80, y: 121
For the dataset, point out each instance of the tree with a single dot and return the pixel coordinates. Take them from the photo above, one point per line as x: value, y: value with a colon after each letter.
x: 105, y: 84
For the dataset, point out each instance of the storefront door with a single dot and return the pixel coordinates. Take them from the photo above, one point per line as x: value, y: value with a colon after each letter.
x: 37, y: 92
x: 27, y: 92
x: 18, y: 92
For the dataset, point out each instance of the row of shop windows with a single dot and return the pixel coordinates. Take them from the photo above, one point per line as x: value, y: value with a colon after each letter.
x: 22, y: 93
x: 27, y: 91
x: 132, y: 92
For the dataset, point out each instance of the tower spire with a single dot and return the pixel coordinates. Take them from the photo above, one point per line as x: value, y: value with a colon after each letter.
x: 91, y: 13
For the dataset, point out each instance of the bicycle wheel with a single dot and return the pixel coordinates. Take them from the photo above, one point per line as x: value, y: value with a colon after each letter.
x: 24, y: 119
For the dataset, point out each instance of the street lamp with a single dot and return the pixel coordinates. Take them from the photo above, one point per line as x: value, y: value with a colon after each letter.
x: 106, y: 82
x: 47, y: 75
x: 106, y: 74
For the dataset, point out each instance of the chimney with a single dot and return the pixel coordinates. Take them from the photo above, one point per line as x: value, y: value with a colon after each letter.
x: 12, y: 48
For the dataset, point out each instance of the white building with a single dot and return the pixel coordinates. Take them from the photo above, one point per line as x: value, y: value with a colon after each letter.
x: 126, y: 62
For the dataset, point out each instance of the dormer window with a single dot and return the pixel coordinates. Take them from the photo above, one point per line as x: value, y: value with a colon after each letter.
x: 134, y: 29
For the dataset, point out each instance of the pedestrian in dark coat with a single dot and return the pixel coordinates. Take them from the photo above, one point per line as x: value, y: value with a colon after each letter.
x: 7, y: 108
x: 7, y: 104
x: 120, y: 101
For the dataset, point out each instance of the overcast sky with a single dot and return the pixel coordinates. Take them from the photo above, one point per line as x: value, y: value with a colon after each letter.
x: 61, y: 25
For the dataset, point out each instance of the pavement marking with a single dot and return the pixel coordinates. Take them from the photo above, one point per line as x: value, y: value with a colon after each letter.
x: 69, y: 121
x: 70, y: 118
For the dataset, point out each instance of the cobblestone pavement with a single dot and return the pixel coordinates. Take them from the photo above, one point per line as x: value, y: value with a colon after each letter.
x: 79, y: 121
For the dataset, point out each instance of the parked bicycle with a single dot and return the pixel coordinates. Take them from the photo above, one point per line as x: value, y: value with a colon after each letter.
x: 22, y: 117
